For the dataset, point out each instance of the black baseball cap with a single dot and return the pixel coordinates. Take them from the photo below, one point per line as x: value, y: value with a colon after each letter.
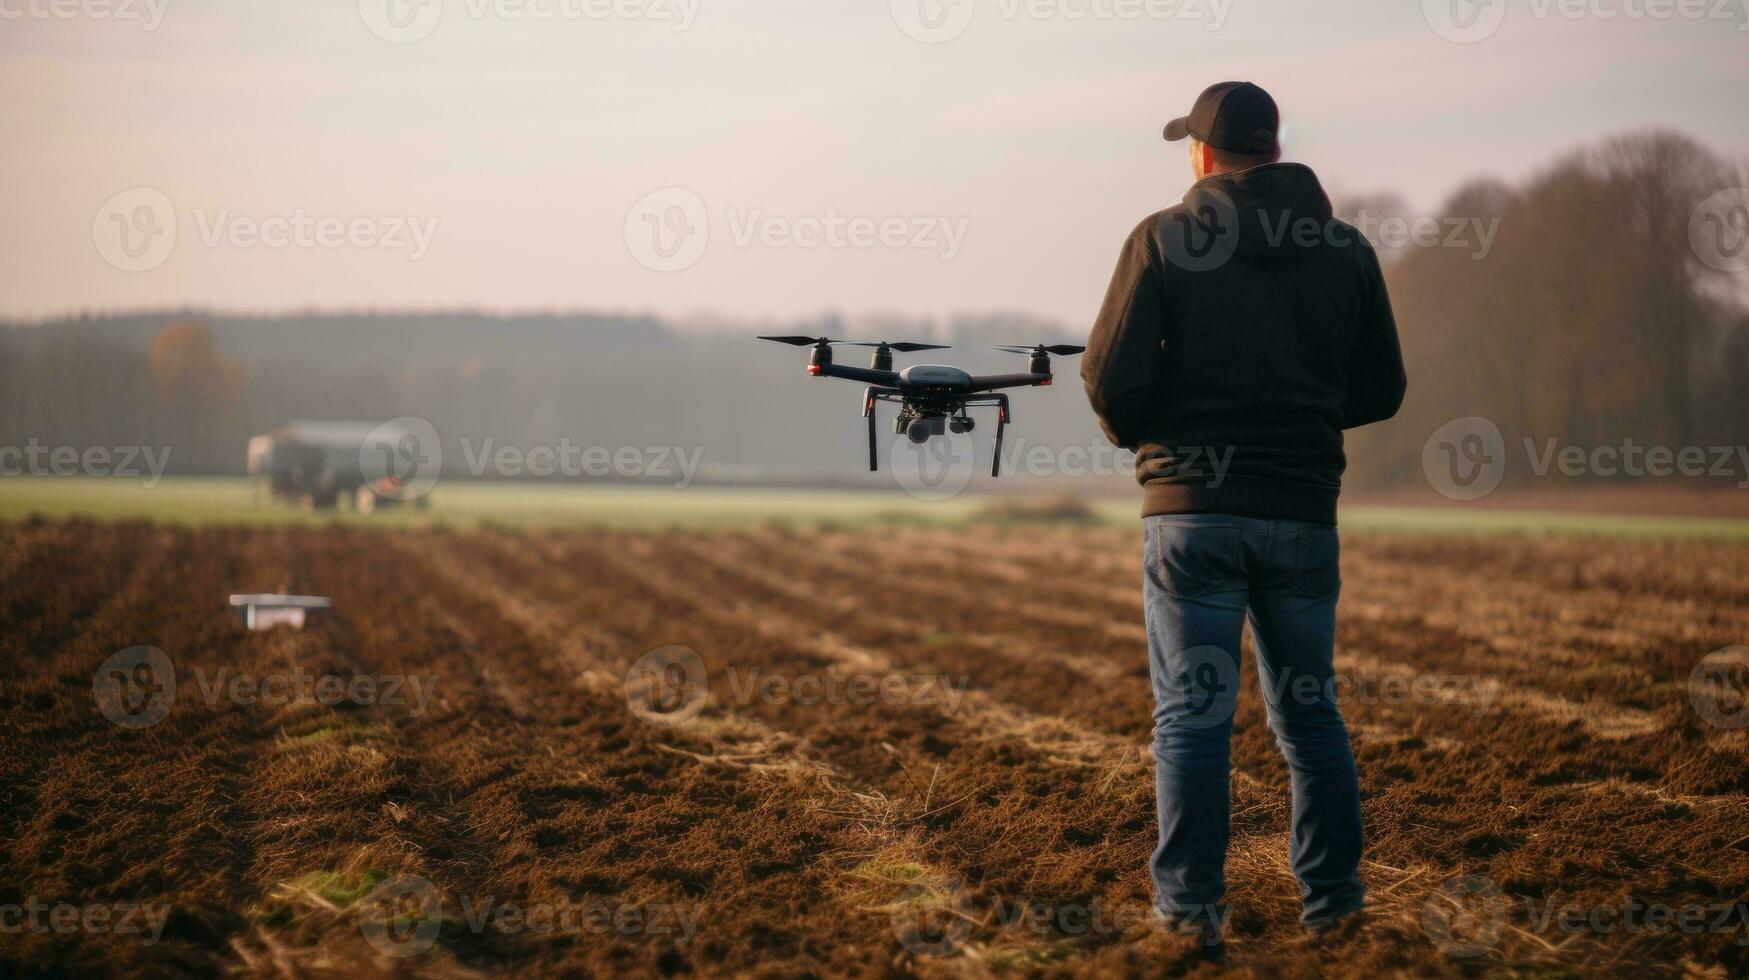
x: 1238, y: 117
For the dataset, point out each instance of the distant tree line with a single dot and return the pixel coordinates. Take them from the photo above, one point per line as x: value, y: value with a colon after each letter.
x: 1591, y: 319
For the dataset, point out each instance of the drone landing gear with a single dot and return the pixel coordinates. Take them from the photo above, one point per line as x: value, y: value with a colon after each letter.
x: 932, y: 421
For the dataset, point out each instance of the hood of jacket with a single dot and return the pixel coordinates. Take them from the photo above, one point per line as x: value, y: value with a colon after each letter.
x: 1273, y: 211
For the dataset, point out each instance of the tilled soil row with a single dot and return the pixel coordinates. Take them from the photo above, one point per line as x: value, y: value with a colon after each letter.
x: 1466, y: 785
x: 755, y: 837
x: 138, y: 828
x: 889, y: 745
x: 1101, y: 839
x: 1612, y: 700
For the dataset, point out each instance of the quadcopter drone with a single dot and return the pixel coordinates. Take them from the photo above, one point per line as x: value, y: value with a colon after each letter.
x: 933, y: 398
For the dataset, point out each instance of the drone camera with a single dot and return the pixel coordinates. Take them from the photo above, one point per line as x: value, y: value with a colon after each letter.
x: 919, y: 430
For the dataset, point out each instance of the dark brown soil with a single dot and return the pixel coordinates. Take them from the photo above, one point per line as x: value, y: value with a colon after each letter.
x: 996, y: 791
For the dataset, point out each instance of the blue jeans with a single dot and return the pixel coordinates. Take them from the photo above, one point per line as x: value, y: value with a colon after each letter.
x: 1204, y: 572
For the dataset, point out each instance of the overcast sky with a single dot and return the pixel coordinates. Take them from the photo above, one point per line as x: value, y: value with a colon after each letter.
x: 751, y: 157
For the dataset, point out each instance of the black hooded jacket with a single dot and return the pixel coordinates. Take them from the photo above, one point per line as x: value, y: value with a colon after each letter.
x: 1243, y: 331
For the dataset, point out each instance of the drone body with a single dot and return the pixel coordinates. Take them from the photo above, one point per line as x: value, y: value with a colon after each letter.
x: 933, y: 399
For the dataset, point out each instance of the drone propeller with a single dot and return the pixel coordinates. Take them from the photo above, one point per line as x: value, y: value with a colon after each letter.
x: 799, y: 341
x: 1060, y: 349
x: 903, y: 347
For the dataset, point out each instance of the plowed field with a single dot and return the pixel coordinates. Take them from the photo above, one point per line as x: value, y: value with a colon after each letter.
x: 880, y: 751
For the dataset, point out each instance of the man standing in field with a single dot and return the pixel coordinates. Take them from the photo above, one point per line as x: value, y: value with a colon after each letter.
x: 1243, y: 331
